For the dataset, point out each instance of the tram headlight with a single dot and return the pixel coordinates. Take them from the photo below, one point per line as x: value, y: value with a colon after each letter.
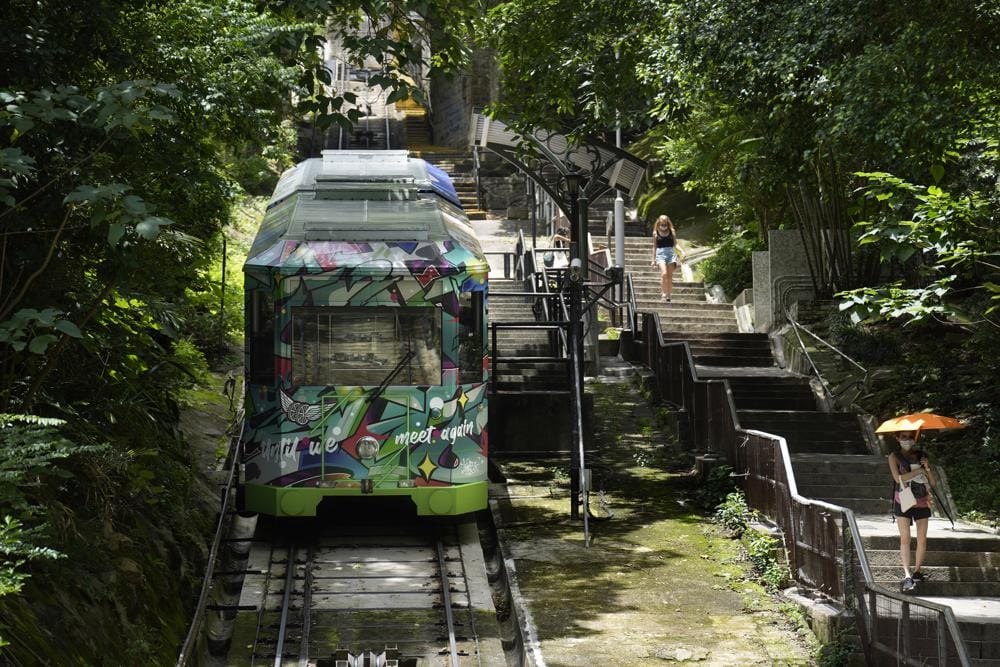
x: 367, y: 447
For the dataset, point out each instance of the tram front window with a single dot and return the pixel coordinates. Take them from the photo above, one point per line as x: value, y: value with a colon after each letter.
x: 362, y: 346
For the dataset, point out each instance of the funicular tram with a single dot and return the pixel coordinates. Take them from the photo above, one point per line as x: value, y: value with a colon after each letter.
x: 367, y: 369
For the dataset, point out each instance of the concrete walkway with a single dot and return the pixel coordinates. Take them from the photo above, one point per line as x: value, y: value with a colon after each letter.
x: 659, y: 582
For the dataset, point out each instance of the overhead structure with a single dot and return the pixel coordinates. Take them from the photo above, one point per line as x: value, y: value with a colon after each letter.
x: 548, y: 157
x: 572, y: 172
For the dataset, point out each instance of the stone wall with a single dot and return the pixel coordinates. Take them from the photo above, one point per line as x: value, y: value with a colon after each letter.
x: 454, y: 98
x: 780, y: 277
x: 451, y: 110
x: 505, y: 195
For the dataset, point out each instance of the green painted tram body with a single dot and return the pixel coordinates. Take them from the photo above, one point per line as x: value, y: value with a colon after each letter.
x: 366, y: 358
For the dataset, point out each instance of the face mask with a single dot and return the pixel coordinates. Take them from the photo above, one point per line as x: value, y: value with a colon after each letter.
x: 907, y: 445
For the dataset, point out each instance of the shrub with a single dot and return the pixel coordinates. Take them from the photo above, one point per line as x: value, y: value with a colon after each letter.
x: 732, y: 265
x: 716, y: 488
x: 761, y: 550
x: 733, y: 514
x: 865, y: 344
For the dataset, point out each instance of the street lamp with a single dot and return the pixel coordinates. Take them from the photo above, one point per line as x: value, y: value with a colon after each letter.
x: 574, y: 181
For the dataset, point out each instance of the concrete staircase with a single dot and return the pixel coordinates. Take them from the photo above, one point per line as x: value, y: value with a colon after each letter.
x: 832, y: 462
x: 416, y: 128
x: 597, y: 220
x: 809, y: 431
x: 512, y: 374
x: 460, y: 168
x: 725, y: 349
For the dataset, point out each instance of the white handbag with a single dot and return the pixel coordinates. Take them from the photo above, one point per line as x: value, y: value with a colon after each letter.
x: 906, y: 499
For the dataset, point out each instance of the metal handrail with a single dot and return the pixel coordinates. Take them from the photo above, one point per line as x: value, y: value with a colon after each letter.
x: 870, y: 585
x: 521, y: 250
x: 629, y: 301
x: 475, y: 172
x: 795, y: 328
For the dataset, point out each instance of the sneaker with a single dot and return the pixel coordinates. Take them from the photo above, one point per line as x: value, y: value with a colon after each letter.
x: 908, y: 585
x: 918, y: 576
x: 663, y: 297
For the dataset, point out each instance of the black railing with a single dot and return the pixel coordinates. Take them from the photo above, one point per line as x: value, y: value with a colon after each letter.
x: 824, y: 545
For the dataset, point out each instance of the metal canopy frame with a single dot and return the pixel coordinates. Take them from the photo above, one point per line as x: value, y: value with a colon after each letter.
x: 573, y: 172
x: 547, y: 157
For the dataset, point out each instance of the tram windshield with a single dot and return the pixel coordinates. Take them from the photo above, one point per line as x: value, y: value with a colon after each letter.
x: 359, y: 346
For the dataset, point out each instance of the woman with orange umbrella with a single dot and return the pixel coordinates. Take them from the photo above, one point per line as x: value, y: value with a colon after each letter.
x: 911, y: 502
x: 911, y: 470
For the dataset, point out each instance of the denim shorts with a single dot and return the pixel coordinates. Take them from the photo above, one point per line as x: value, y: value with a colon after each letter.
x: 665, y: 256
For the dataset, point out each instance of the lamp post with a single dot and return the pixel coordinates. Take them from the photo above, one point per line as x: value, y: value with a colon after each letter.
x: 574, y: 180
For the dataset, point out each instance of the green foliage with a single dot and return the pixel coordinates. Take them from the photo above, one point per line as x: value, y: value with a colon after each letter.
x: 718, y: 485
x: 569, y: 65
x: 733, y: 513
x: 732, y: 265
x: 33, y: 453
x: 761, y: 551
x: 865, y: 344
x: 947, y: 243
x: 17, y: 547
x: 837, y: 653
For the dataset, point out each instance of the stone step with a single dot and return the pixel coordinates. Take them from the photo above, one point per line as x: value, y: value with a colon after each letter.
x: 673, y: 313
x: 774, y: 402
x: 939, y: 573
x: 827, y: 419
x: 934, y: 558
x: 806, y: 478
x: 727, y: 338
x: 654, y: 279
x: 865, y: 464
x: 807, y: 446
x: 869, y: 506
x: 855, y: 490
x: 774, y: 395
x: 753, y: 349
x: 733, y: 361
x: 777, y: 391
x: 688, y: 305
x: 672, y: 320
x: 782, y: 383
x: 704, y: 328
x: 944, y: 540
x: 956, y: 589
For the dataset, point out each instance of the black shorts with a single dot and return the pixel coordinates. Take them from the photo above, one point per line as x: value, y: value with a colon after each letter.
x: 913, y: 513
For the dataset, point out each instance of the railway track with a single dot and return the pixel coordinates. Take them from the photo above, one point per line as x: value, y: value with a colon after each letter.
x: 357, y: 596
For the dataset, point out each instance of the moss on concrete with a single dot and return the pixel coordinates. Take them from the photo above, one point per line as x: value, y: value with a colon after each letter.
x: 659, y: 581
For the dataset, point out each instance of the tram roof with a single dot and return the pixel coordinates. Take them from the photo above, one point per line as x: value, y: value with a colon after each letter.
x: 327, y: 206
x: 365, y: 168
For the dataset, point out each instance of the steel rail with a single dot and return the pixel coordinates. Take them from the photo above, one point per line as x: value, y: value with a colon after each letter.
x: 279, y: 648
x: 306, y: 612
x: 446, y: 595
x: 260, y: 610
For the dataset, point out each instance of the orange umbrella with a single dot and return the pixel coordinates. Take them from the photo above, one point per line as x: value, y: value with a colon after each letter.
x: 920, y: 421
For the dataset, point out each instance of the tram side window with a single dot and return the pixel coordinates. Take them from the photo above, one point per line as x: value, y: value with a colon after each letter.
x: 362, y: 346
x: 261, y: 338
x: 470, y: 337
